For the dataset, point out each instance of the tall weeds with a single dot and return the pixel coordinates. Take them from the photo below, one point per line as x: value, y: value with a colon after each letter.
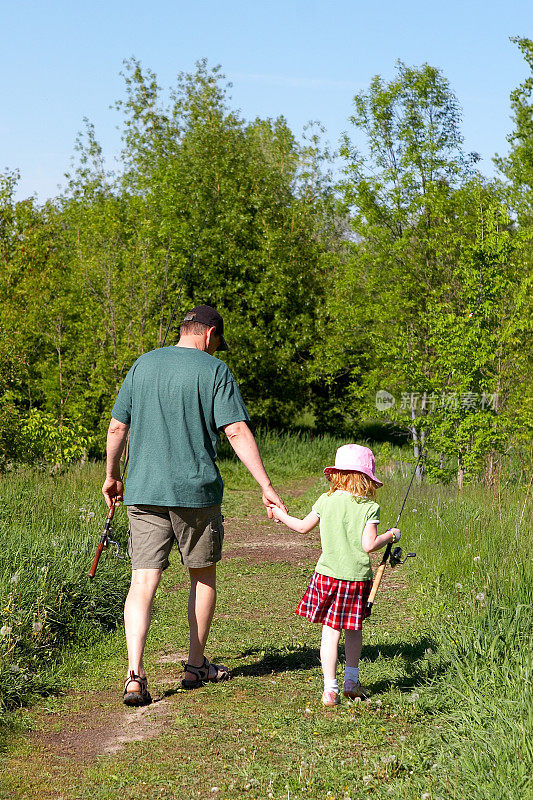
x: 475, y: 584
x: 49, y: 529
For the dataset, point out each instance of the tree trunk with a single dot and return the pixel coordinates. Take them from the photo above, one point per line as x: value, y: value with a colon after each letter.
x: 418, y: 447
x: 460, y: 471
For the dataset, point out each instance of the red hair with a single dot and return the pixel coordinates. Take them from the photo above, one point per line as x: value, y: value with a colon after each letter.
x: 357, y: 483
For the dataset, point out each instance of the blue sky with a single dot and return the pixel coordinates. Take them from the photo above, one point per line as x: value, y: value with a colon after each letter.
x: 60, y: 61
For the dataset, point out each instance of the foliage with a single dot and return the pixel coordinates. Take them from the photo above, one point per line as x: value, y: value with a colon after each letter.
x: 209, y: 209
x: 412, y: 275
x: 398, y: 194
x: 517, y: 166
x: 43, y: 439
x: 12, y: 374
x: 46, y: 600
x: 428, y: 305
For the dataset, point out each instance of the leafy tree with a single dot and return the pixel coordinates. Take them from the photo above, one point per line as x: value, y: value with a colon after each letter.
x: 12, y: 374
x: 418, y: 308
x: 397, y: 195
x: 518, y: 165
x: 245, y: 201
x: 43, y: 440
x: 474, y: 331
x: 517, y: 168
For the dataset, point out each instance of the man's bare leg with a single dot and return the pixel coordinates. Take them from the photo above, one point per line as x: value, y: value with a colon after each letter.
x: 137, y: 616
x: 202, y: 601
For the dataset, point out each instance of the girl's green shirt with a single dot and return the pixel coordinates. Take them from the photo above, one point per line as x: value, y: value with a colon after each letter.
x: 342, y: 521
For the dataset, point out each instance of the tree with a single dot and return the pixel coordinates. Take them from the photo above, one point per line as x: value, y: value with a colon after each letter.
x: 397, y: 196
x: 476, y: 330
x: 245, y: 201
x: 517, y: 168
x: 518, y: 165
x: 420, y: 307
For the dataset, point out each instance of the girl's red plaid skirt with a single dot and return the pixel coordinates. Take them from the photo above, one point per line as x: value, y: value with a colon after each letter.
x: 336, y: 603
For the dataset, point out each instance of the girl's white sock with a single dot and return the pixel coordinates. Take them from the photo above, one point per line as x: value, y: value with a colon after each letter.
x: 330, y: 684
x: 351, y: 674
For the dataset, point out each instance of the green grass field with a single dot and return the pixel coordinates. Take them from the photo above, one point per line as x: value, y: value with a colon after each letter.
x: 446, y: 656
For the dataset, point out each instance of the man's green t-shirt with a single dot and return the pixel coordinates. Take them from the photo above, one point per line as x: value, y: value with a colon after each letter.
x: 342, y: 520
x: 176, y: 400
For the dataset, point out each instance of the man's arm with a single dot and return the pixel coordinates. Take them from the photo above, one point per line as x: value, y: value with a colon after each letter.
x: 113, y: 488
x: 243, y: 442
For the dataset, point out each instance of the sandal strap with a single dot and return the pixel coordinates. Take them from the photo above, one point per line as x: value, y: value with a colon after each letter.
x: 221, y: 672
x: 202, y: 672
x: 132, y: 677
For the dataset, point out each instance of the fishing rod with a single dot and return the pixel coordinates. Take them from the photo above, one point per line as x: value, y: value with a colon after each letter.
x: 395, y: 557
x: 107, y: 532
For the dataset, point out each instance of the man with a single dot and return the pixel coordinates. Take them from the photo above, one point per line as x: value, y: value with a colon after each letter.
x: 176, y: 400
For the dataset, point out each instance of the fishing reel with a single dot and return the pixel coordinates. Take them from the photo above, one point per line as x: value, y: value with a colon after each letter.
x: 117, y: 552
x: 396, y: 557
x: 112, y: 542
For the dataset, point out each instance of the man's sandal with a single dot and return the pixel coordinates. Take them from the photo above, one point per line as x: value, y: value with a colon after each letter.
x: 142, y: 698
x: 202, y: 674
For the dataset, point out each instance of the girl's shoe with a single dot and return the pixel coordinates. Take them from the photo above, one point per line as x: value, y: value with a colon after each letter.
x: 330, y: 698
x: 353, y: 690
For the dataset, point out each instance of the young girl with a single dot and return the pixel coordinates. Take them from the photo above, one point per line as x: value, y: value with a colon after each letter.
x: 339, y: 589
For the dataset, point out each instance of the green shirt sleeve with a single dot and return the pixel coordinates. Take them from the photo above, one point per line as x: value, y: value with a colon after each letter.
x: 319, y: 505
x: 228, y: 405
x: 373, y: 513
x: 122, y: 408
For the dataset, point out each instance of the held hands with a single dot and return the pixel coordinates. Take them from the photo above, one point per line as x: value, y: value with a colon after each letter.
x: 271, y: 500
x: 277, y: 513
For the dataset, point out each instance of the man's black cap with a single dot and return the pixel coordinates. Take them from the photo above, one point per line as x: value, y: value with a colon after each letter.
x: 208, y: 316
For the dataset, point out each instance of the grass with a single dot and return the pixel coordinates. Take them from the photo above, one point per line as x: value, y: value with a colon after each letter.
x: 476, y: 591
x: 49, y: 528
x: 447, y: 656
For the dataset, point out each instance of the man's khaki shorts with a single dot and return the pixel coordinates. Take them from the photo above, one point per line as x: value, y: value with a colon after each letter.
x: 199, y: 533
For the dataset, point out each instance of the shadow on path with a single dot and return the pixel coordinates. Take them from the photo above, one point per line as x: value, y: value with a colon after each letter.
x: 304, y: 657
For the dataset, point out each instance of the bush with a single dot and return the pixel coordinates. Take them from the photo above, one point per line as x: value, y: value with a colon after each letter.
x: 43, y: 438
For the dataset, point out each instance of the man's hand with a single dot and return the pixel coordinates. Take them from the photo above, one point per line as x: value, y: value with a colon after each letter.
x: 113, y: 491
x: 271, y: 497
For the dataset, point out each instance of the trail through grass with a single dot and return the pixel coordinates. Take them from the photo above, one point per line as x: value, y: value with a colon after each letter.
x: 446, y: 656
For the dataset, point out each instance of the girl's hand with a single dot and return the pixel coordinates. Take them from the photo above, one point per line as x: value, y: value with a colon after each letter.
x: 397, y: 534
x: 277, y: 513
x: 373, y: 541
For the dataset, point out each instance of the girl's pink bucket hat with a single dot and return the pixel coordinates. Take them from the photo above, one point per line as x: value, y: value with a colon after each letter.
x: 355, y: 458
